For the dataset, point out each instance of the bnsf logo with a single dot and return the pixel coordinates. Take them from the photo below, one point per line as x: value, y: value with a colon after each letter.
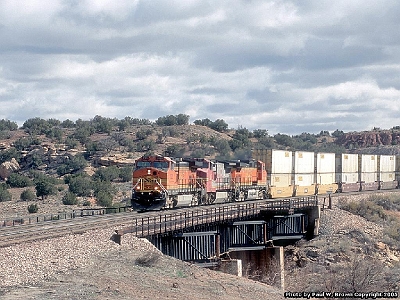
x: 149, y: 180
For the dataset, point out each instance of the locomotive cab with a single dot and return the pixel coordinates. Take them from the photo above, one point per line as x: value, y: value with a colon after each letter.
x: 150, y: 176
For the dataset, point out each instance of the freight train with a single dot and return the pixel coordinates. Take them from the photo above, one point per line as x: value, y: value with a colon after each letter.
x: 161, y: 182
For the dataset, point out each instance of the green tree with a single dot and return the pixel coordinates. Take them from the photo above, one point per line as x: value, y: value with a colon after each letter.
x: 102, y: 125
x: 36, y: 126
x: 219, y: 125
x: 104, y: 192
x: 104, y: 198
x: 27, y: 195
x: 260, y: 133
x: 69, y: 199
x: 284, y: 140
x: 26, y: 142
x: 337, y: 133
x: 8, y: 154
x: 8, y: 125
x: 125, y: 173
x: 16, y: 180
x: 80, y: 185
x: 67, y: 124
x: 106, y: 174
x: 72, y: 164
x: 182, y: 119
x: 5, y: 195
x: 204, y: 122
x: 45, y: 188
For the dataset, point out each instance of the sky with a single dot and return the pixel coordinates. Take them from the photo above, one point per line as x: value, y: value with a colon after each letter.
x: 285, y: 66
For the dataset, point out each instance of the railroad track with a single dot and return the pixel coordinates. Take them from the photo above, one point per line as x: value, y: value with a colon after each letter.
x: 10, y: 235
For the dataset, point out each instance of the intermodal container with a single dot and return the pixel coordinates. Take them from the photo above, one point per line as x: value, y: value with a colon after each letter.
x: 325, y: 173
x: 279, y: 167
x: 369, y: 167
x: 325, y: 166
x: 304, y: 168
x: 347, y: 168
x: 387, y: 171
x: 387, y: 168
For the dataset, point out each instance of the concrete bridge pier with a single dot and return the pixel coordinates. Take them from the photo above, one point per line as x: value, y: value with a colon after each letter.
x: 314, y: 214
x: 266, y: 264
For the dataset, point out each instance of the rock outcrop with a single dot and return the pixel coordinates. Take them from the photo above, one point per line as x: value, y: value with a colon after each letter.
x: 369, y: 139
x: 8, y: 167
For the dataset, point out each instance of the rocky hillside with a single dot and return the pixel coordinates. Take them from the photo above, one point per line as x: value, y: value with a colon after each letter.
x: 377, y: 141
x: 351, y: 253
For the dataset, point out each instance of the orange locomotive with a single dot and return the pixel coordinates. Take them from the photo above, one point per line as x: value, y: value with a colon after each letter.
x: 161, y: 182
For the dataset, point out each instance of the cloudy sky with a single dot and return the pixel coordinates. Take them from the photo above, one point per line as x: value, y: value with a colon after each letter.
x: 285, y: 66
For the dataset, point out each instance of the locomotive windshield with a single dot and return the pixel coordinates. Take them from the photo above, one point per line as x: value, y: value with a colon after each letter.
x: 160, y: 165
x: 142, y: 164
x: 155, y: 164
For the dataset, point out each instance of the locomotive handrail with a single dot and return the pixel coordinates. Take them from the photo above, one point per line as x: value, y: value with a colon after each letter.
x: 148, y: 226
x: 137, y: 183
x: 161, y: 186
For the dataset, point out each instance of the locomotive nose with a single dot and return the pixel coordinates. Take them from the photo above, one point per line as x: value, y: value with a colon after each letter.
x: 150, y: 172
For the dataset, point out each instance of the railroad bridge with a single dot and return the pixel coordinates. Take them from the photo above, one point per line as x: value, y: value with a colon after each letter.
x: 245, y: 231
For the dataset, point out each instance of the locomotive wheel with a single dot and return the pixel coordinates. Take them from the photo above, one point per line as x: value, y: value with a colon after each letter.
x: 173, y: 201
x: 240, y: 196
x: 195, y: 200
x: 211, y: 198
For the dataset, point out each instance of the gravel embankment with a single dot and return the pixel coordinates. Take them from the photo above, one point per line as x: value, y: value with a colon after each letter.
x: 30, y: 263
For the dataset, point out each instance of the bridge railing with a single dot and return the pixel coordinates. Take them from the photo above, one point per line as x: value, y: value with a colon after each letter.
x: 147, y: 226
x: 84, y: 212
x: 291, y: 203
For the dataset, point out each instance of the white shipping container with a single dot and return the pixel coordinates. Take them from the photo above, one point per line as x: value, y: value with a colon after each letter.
x: 304, y: 179
x: 347, y: 168
x: 279, y: 170
x: 281, y: 162
x: 369, y: 168
x: 387, y: 168
x: 304, y: 168
x: 280, y: 180
x: 325, y: 163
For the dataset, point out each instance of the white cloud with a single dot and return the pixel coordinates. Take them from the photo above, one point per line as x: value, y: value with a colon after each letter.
x: 285, y: 66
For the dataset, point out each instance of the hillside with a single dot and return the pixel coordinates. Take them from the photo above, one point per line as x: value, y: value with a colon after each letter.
x: 350, y: 253
x: 65, y: 150
x: 346, y: 241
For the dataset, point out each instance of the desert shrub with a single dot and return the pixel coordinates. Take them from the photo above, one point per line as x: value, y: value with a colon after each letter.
x: 148, y: 259
x: 16, y: 180
x: 33, y: 208
x: 125, y: 174
x: 393, y: 231
x: 38, y: 176
x: 72, y: 165
x: 80, y: 185
x: 8, y: 125
x: 5, y: 195
x: 8, y: 154
x: 25, y: 143
x: 69, y: 199
x: 106, y: 174
x: 104, y: 192
x: 27, y: 195
x: 366, y: 209
x: 104, y: 198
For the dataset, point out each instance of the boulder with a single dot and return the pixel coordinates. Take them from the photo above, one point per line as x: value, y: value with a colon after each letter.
x: 8, y: 167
